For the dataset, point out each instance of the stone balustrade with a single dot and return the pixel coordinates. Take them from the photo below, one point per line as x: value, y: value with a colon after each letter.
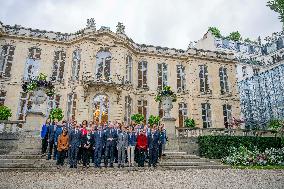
x: 11, y: 126
x: 195, y: 132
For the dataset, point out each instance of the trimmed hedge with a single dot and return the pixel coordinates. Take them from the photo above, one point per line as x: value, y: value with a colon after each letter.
x: 217, y: 147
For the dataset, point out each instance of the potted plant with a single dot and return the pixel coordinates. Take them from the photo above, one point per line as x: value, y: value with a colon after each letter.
x: 5, y: 113
x: 153, y: 120
x: 190, y: 123
x: 56, y: 113
x: 167, y: 97
x: 137, y: 118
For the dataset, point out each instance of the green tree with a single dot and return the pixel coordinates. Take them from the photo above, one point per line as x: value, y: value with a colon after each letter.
x: 215, y: 31
x: 277, y: 6
x: 235, y: 36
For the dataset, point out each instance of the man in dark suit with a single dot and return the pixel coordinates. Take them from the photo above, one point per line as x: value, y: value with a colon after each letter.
x: 75, y: 143
x: 98, y: 140
x: 51, y: 139
x: 153, y: 146
x: 110, y: 141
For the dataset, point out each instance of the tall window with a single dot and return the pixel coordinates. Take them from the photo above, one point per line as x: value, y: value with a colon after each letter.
x: 32, y: 63
x: 128, y: 109
x: 76, y: 64
x: 223, y: 80
x: 53, y: 102
x: 180, y: 78
x: 142, y: 74
x: 103, y: 59
x: 2, y: 97
x: 24, y: 105
x: 58, y: 66
x: 6, y: 59
x: 227, y: 113
x: 71, y: 105
x: 206, y: 115
x: 142, y: 109
x: 204, y: 82
x: 128, y: 75
x: 182, y: 113
x: 244, y: 70
x: 162, y: 75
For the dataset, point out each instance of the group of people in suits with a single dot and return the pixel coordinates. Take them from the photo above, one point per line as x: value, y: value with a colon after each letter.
x: 103, y: 144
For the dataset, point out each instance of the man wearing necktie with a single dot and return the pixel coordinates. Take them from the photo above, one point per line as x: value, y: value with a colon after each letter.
x: 153, y: 144
x: 75, y: 142
x: 98, y: 146
x: 110, y: 138
x: 122, y: 143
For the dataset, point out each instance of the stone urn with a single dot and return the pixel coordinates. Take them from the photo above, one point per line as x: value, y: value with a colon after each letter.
x: 167, y: 105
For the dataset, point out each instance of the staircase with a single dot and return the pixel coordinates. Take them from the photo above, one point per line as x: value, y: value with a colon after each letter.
x: 175, y: 160
x: 26, y: 162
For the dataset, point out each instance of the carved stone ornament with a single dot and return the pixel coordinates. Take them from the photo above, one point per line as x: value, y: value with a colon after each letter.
x: 91, y: 23
x: 120, y: 28
x: 167, y: 105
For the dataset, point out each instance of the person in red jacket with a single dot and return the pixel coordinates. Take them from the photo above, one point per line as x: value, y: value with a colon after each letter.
x: 141, y: 146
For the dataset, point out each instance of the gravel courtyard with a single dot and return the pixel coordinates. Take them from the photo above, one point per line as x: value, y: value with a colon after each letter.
x: 206, y: 178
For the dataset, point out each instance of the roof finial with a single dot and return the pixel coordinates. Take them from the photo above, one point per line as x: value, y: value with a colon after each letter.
x: 120, y: 28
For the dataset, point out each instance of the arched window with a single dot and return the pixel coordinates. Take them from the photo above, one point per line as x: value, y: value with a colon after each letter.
x: 103, y: 59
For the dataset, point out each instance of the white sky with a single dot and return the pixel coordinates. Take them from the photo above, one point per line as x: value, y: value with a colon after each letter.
x: 170, y: 23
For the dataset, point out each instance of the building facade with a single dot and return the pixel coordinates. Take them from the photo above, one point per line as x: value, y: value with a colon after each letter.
x: 260, y: 73
x: 104, y: 76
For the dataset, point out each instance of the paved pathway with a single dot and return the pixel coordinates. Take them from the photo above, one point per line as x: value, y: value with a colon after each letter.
x: 193, y: 178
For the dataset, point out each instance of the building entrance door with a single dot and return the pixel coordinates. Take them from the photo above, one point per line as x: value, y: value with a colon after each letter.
x: 101, y: 109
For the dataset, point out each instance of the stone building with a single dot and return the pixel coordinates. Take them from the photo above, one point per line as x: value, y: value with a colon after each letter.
x: 103, y: 75
x: 260, y: 73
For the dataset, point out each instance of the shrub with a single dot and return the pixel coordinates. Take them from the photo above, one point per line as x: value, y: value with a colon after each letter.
x: 189, y: 123
x: 137, y: 118
x: 5, y: 113
x: 217, y: 147
x: 56, y: 113
x: 235, y: 36
x: 215, y: 31
x: 153, y: 120
x: 245, y: 157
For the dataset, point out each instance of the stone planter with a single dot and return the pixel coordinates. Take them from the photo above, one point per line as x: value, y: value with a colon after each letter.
x: 167, y: 105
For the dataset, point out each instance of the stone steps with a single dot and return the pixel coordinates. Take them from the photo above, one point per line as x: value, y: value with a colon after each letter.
x: 195, y: 167
x: 178, y: 160
x: 187, y: 163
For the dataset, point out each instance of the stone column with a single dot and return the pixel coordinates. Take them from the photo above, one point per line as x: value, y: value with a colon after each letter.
x: 172, y: 143
x: 29, y: 138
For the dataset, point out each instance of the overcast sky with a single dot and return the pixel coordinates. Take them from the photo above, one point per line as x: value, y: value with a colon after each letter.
x: 170, y: 23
